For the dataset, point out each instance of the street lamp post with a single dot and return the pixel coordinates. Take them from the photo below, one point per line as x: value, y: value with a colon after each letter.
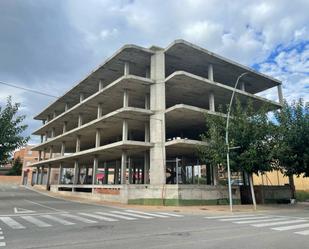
x: 227, y: 142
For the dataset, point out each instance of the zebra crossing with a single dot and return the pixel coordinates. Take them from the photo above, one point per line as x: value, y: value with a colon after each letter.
x: 273, y: 222
x: 45, y: 220
x: 2, y: 242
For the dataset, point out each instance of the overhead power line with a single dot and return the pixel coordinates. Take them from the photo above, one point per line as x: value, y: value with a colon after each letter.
x: 28, y: 89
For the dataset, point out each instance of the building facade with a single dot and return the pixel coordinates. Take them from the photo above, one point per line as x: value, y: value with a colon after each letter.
x: 129, y: 131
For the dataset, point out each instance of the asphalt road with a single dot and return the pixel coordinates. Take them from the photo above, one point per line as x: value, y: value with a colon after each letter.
x: 32, y: 220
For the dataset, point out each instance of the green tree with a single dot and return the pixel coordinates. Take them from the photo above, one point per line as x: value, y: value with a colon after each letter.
x: 11, y: 129
x: 292, y: 140
x: 16, y: 168
x: 250, y: 131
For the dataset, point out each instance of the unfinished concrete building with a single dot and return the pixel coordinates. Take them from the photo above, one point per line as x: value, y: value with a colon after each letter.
x: 129, y: 131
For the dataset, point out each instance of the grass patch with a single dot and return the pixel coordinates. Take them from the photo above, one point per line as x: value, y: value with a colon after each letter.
x: 302, y: 195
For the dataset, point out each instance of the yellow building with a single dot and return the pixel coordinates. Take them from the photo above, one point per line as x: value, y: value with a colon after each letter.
x: 277, y: 178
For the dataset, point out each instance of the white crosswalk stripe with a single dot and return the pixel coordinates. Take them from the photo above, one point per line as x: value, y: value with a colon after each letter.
x: 246, y: 218
x: 133, y: 215
x: 50, y: 219
x: 82, y: 219
x: 150, y: 214
x: 11, y: 223
x: 274, y: 222
x: 59, y: 220
x: 117, y: 216
x: 2, y: 244
x: 293, y: 227
x: 278, y: 223
x: 170, y: 214
x: 259, y: 221
x: 35, y: 221
x: 230, y: 216
x: 306, y: 232
x: 99, y: 217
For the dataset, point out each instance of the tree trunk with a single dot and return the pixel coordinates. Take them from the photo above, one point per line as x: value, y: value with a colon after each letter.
x: 292, y: 186
x: 252, y: 191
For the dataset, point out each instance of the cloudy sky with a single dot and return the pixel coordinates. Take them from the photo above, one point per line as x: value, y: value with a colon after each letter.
x: 51, y: 45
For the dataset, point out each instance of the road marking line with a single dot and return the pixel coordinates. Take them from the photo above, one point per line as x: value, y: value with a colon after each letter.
x: 35, y: 221
x: 61, y: 221
x: 258, y: 221
x: 170, y: 214
x: 39, y: 204
x: 246, y: 218
x: 150, y: 214
x: 79, y: 218
x: 291, y: 227
x: 279, y: 223
x: 1, y: 237
x: 306, y: 232
x: 12, y: 223
x: 230, y: 216
x: 2, y: 244
x: 22, y: 211
x: 99, y: 217
x: 117, y: 216
x: 1, y: 232
x: 36, y: 214
x: 133, y: 215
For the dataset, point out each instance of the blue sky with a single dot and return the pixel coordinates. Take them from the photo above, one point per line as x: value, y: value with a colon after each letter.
x: 51, y: 45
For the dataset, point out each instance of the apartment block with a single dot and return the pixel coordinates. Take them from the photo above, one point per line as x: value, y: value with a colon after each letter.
x: 129, y: 130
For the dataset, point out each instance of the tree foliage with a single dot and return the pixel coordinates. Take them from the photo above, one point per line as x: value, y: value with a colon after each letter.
x: 249, y: 130
x: 16, y: 167
x: 292, y: 138
x: 11, y: 129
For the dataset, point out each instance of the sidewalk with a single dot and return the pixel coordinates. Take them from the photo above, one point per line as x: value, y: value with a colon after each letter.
x: 210, y: 209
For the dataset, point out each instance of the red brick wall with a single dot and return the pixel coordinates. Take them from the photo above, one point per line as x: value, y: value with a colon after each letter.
x: 10, y: 180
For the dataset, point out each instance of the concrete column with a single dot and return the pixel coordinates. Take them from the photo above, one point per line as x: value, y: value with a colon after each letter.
x: 66, y: 107
x: 126, y: 70
x: 48, y: 177
x: 116, y: 173
x: 62, y: 148
x: 64, y: 128
x: 40, y: 155
x: 42, y: 138
x: 125, y: 98
x: 97, y: 137
x: 80, y: 119
x: 37, y: 175
x: 147, y: 132
x: 51, y: 150
x: 54, y: 114
x: 46, y: 135
x: 81, y: 97
x: 124, y: 130
x: 146, y: 167
x: 242, y: 86
x: 211, y: 101
x: 105, y: 173
x: 147, y: 101
x: 94, y: 170
x: 78, y: 137
x: 123, y: 167
x: 210, y: 72
x: 157, y: 120
x: 43, y: 122
x: 101, y: 86
x: 100, y: 110
x: 48, y: 118
x: 215, y: 175
x: 75, y: 176
x: 280, y: 94
x: 60, y: 173
x: 44, y: 154
x: 42, y: 175
x: 53, y: 132
x: 147, y: 74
